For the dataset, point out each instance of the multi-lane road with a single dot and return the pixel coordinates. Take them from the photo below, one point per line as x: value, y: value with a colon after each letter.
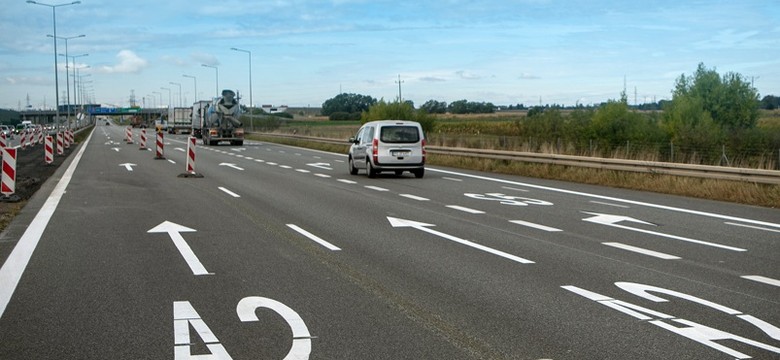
x: 278, y: 253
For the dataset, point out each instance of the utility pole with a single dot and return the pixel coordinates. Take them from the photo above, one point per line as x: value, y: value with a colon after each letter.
x: 399, y: 82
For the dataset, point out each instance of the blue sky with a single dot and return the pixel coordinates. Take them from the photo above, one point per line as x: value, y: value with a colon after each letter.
x: 305, y: 51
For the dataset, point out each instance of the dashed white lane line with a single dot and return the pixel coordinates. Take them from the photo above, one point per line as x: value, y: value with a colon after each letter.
x: 643, y: 251
x: 451, y: 179
x: 226, y: 191
x: 535, y: 226
x: 465, y: 209
x: 347, y: 181
x: 414, y: 197
x: 762, y: 279
x: 314, y: 238
x: 752, y: 227
x: 377, y: 188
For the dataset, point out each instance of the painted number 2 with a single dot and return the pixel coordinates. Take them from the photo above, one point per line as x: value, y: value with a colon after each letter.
x: 185, y: 316
x: 509, y: 200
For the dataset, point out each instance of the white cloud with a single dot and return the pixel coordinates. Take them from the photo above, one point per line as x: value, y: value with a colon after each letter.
x: 203, y: 58
x: 129, y: 62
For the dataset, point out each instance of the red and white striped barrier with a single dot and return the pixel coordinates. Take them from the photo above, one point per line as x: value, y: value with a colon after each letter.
x: 129, y: 135
x: 40, y: 137
x: 66, y: 139
x: 3, y: 140
x: 23, y: 139
x: 191, y: 155
x: 60, y: 149
x: 143, y: 140
x: 48, y: 150
x: 160, y: 146
x: 8, y: 178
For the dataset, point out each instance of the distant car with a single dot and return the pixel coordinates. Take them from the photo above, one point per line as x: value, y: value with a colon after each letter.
x: 388, y: 145
x: 5, y: 129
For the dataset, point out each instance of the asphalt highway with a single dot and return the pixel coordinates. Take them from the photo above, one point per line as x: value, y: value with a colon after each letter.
x: 276, y: 252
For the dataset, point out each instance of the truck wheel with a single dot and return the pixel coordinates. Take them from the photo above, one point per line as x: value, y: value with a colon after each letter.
x: 419, y: 173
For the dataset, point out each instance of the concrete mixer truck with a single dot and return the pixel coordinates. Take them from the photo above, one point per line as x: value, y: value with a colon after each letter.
x: 221, y: 121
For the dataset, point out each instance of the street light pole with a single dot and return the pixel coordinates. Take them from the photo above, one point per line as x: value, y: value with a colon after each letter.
x: 75, y: 97
x: 250, y: 73
x: 196, y: 84
x: 158, y: 94
x: 216, y: 69
x: 169, y: 95
x: 56, y: 76
x: 67, y: 73
x: 179, y: 85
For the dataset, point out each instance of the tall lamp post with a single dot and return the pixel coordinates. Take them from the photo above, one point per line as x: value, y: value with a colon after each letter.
x: 216, y: 69
x: 250, y: 72
x: 179, y: 85
x: 158, y: 94
x: 169, y: 94
x: 67, y: 72
x: 196, y: 84
x: 75, y: 97
x: 54, y: 22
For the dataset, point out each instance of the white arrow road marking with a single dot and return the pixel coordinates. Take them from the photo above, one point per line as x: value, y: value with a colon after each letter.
x: 395, y: 222
x: 115, y: 149
x: 232, y: 166
x: 321, y: 165
x: 314, y: 238
x: 612, y: 220
x: 174, y: 231
x: 128, y: 166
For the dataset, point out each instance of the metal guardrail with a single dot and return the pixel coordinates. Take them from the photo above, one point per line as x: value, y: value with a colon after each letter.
x: 651, y: 167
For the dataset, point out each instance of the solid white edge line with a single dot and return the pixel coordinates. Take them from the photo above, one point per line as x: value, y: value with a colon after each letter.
x: 535, y: 226
x: 642, y: 251
x: 762, y: 279
x: 17, y: 261
x: 229, y: 192
x: 314, y: 238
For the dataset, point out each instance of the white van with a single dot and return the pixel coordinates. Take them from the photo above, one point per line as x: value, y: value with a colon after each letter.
x: 388, y: 145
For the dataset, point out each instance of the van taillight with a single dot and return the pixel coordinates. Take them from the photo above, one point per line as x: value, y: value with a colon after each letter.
x: 423, y: 151
x: 375, y: 150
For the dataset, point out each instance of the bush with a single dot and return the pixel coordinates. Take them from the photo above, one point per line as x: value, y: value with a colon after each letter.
x: 344, y: 116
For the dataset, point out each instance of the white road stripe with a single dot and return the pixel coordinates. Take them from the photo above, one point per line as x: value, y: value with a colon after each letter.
x: 229, y: 192
x: 535, y: 226
x: 465, y: 209
x: 752, y: 227
x: 414, y: 197
x: 322, y: 175
x: 314, y: 238
x: 635, y: 249
x: 17, y: 261
x: 303, y: 171
x: 608, y: 204
x: 762, y: 279
x: 377, y: 188
x: 347, y: 181
x: 452, y: 179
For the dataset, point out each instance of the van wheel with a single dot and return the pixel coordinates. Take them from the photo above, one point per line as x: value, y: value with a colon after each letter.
x: 418, y: 173
x: 352, y: 169
x: 370, y: 169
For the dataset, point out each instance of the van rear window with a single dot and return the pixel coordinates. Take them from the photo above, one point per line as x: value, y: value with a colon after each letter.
x: 399, y: 134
